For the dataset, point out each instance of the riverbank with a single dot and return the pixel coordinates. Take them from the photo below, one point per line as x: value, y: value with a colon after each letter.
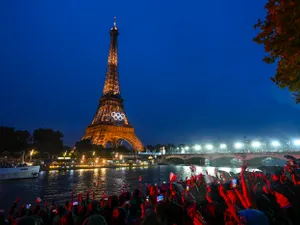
x: 94, y: 167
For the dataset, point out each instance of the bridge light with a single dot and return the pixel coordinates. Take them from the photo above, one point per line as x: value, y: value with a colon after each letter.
x: 222, y: 146
x: 238, y: 145
x: 255, y: 144
x: 209, y: 147
x: 275, y: 143
x: 186, y: 148
x: 297, y: 142
x: 197, y: 147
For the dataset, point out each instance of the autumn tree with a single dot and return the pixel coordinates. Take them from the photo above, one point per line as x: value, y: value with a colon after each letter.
x: 280, y: 35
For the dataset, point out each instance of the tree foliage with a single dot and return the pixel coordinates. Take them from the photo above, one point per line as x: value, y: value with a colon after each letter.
x: 280, y: 35
x: 12, y: 140
x: 48, y: 140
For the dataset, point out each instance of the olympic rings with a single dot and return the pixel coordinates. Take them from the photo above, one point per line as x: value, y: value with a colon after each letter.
x: 118, y: 116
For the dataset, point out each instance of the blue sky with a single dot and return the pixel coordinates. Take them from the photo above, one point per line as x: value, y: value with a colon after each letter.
x: 189, y: 70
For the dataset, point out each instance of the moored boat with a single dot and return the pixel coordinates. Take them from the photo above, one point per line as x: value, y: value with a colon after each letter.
x: 19, y: 172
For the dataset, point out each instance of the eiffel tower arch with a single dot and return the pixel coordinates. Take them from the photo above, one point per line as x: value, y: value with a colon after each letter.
x: 110, y: 123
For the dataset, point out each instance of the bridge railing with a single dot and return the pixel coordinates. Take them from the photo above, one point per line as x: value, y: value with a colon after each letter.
x: 267, y: 152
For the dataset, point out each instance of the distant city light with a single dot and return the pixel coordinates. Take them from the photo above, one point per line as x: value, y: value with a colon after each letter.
x: 209, y: 147
x: 182, y: 151
x: 297, y: 142
x: 197, y: 147
x: 186, y: 148
x: 256, y: 144
x: 222, y: 146
x: 275, y: 143
x: 238, y: 145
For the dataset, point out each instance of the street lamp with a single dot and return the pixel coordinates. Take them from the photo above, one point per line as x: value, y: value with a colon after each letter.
x: 275, y: 143
x: 93, y: 153
x: 255, y: 144
x: 223, y: 146
x: 31, y: 153
x: 209, y: 146
x: 297, y: 142
x: 238, y: 145
x: 197, y: 147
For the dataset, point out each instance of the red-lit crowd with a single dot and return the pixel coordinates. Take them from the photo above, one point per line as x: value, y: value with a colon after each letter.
x: 230, y: 199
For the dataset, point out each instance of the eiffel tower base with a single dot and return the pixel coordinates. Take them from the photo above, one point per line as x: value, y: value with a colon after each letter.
x: 101, y: 134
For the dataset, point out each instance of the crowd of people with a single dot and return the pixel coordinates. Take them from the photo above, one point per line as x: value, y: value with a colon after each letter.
x: 231, y: 199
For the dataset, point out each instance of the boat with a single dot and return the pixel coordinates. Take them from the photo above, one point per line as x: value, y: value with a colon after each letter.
x: 20, y: 171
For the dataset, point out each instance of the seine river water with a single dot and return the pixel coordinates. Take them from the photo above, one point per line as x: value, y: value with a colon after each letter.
x: 58, y: 185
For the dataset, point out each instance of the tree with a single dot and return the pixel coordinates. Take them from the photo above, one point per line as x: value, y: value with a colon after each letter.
x: 280, y: 35
x: 13, y: 141
x: 7, y: 139
x: 84, y: 145
x: 23, y: 138
x: 150, y: 147
x: 48, y: 140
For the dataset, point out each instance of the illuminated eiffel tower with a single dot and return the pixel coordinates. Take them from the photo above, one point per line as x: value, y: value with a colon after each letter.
x: 110, y: 124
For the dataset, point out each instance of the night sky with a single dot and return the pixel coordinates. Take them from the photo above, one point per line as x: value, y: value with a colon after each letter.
x: 189, y: 70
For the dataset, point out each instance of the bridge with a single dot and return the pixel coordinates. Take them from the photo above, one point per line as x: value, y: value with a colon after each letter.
x: 211, y: 157
x: 239, y: 156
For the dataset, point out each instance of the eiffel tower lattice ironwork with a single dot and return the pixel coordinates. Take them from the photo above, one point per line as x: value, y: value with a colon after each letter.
x: 110, y: 124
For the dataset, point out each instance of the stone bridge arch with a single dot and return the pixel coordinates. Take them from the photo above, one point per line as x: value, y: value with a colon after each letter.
x: 220, y: 156
x: 262, y: 156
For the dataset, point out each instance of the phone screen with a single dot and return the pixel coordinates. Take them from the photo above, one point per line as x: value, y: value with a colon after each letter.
x: 187, y: 188
x: 233, y: 182
x: 28, y: 206
x: 75, y: 203
x: 105, y: 199
x: 160, y: 198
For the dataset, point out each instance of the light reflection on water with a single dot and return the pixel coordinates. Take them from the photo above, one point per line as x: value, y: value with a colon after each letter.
x: 58, y: 185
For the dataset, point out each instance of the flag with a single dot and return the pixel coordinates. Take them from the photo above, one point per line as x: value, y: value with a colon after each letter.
x: 193, y: 168
x: 173, y: 177
x: 38, y: 200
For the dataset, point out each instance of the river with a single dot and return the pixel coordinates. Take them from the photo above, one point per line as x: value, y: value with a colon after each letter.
x: 58, y: 185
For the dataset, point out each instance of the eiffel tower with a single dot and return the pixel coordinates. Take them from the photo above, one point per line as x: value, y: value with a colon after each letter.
x: 110, y: 124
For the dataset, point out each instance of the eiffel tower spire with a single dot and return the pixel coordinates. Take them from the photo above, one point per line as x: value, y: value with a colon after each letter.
x: 111, y: 85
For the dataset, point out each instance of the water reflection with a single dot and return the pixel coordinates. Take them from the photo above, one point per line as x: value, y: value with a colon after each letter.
x: 58, y: 185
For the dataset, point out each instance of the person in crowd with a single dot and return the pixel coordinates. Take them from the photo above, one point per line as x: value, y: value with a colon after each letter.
x: 230, y: 199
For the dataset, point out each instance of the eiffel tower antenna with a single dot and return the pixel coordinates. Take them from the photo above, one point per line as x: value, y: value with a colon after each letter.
x: 110, y: 124
x: 115, y: 22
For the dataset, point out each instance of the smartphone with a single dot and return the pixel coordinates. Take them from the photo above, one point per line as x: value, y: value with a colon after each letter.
x: 160, y: 198
x: 147, y: 199
x: 187, y: 188
x: 127, y: 202
x: 75, y: 203
x: 28, y: 206
x: 233, y: 183
x: 105, y: 199
x: 54, y: 210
